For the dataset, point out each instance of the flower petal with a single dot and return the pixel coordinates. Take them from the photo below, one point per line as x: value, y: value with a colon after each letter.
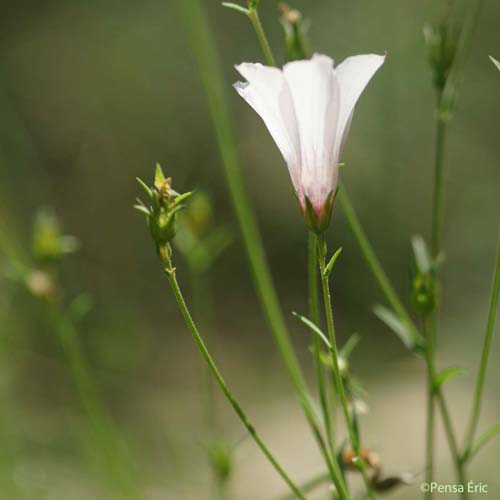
x: 267, y: 93
x: 316, y: 101
x: 353, y: 75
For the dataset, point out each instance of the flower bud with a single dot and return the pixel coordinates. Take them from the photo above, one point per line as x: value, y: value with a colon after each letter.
x: 442, y: 48
x: 49, y: 244
x: 295, y: 29
x: 423, y: 295
x: 221, y: 459
x: 161, y: 215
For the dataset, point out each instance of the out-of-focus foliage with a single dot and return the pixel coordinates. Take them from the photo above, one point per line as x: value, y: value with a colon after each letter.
x: 92, y: 94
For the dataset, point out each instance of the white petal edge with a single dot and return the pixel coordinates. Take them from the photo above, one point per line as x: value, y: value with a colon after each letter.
x: 267, y: 93
x: 353, y: 75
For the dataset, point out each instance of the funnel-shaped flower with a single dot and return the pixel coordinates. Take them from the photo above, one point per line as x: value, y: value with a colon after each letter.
x: 307, y: 107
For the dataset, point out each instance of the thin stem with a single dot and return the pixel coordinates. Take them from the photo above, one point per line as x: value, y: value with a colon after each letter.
x: 314, y: 316
x: 450, y: 434
x: 334, y: 355
x: 481, y: 375
x: 261, y: 35
x: 436, y: 238
x: 171, y: 275
x: 202, y: 310
x: 438, y: 198
x: 434, y: 393
x: 211, y: 74
x: 430, y: 423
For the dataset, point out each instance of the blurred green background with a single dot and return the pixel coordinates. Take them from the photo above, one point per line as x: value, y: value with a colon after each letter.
x: 93, y: 94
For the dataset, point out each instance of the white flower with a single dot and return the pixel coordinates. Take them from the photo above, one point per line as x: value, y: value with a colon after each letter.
x: 307, y: 107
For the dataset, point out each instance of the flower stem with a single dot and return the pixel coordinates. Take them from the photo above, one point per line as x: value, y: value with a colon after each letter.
x: 490, y: 327
x: 171, y: 275
x: 211, y: 74
x: 438, y: 198
x: 253, y: 14
x: 202, y: 310
x: 436, y: 237
x: 314, y: 316
x: 428, y: 330
x: 336, y: 369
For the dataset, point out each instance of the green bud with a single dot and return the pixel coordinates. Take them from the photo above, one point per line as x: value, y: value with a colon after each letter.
x: 221, y: 459
x: 161, y: 215
x: 442, y: 42
x: 423, y: 296
x: 49, y: 244
x: 295, y: 29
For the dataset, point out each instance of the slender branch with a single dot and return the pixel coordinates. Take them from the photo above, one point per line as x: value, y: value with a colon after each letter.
x: 438, y: 198
x: 436, y: 237
x: 334, y: 355
x: 314, y: 316
x: 171, y: 275
x: 261, y: 35
x: 488, y: 338
x: 202, y: 310
x: 428, y: 329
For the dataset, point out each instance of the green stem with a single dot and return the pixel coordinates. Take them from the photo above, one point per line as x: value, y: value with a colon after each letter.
x: 452, y: 441
x: 171, y: 275
x: 202, y: 309
x: 314, y: 316
x: 334, y: 354
x: 216, y: 89
x: 436, y: 237
x: 490, y: 327
x: 430, y: 425
x: 261, y: 35
x: 438, y: 198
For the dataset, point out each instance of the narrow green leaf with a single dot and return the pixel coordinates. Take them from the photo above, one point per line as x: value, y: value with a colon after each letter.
x: 355, y: 427
x: 396, y: 325
x: 495, y: 62
x: 142, y: 209
x: 314, y: 329
x: 329, y: 267
x: 236, y: 7
x: 447, y: 374
x: 159, y: 177
x: 182, y: 197
x: 484, y: 438
x: 144, y: 186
